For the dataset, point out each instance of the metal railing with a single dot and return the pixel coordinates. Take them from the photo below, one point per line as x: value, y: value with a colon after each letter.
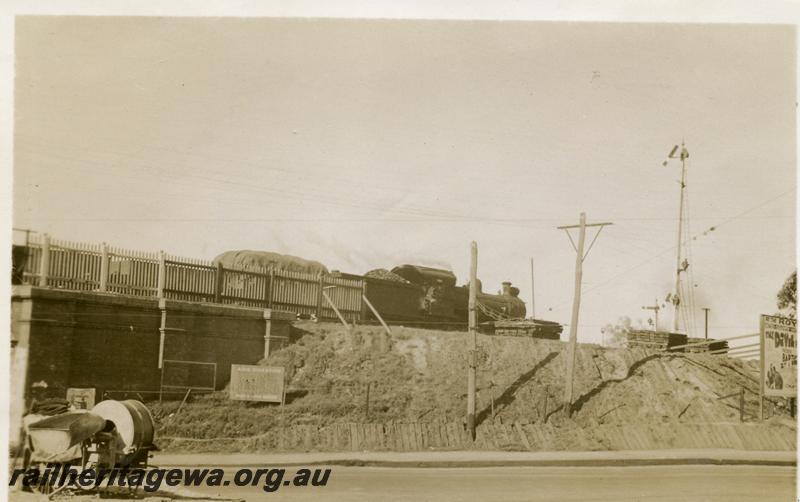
x: 187, y: 378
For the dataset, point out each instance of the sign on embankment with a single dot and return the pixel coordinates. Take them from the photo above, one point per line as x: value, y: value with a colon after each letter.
x: 257, y: 383
x: 778, y: 356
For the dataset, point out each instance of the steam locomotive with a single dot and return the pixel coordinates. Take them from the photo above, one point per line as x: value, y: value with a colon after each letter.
x: 418, y: 295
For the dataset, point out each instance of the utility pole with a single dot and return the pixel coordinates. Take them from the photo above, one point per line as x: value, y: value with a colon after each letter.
x: 706, y: 309
x: 676, y: 298
x: 533, y: 294
x: 576, y: 303
x: 473, y: 335
x: 655, y: 308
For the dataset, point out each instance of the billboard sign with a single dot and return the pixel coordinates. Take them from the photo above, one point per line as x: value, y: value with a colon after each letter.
x: 778, y: 356
x: 257, y: 383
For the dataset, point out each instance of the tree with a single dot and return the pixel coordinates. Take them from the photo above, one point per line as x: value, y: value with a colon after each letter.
x: 616, y: 335
x: 787, y: 296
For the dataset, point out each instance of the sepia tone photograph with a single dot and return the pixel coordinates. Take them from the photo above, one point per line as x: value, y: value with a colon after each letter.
x: 400, y: 257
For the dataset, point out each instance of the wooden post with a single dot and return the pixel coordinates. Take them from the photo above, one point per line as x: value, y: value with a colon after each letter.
x: 377, y: 315
x: 546, y: 395
x: 104, y: 261
x: 161, y: 385
x: 741, y: 405
x: 333, y: 306
x: 267, y: 287
x: 576, y: 302
x: 185, y: 398
x: 267, y: 331
x: 44, y: 268
x: 282, y: 445
x: 363, y: 313
x: 656, y: 315
x: 321, y: 285
x: 162, y: 331
x: 761, y: 370
x: 473, y: 338
x: 491, y: 396
x: 533, y: 294
x: 655, y: 308
x: 366, y: 403
x: 219, y: 279
x: 271, y: 286
x: 162, y: 274
x: 576, y: 306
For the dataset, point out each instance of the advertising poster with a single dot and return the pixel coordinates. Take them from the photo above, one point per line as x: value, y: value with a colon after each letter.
x: 779, y: 356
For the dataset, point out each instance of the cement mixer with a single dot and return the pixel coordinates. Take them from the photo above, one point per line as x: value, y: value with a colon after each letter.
x: 133, y: 430
x: 113, y: 434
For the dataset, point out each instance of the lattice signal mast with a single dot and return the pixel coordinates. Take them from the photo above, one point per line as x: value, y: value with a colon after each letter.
x: 681, y: 263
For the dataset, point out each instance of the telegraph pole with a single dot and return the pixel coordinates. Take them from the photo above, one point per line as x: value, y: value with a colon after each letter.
x: 655, y: 308
x: 576, y: 303
x: 706, y: 309
x: 473, y: 336
x: 533, y: 294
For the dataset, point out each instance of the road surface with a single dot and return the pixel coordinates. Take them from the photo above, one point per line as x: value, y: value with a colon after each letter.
x: 652, y: 483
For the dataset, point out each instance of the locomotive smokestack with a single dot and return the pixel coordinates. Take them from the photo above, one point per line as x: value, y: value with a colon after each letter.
x: 506, y: 288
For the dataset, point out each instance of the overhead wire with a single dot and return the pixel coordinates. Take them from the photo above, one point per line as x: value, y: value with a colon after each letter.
x: 409, y: 212
x: 666, y: 250
x: 309, y: 192
x: 427, y: 213
x: 285, y: 194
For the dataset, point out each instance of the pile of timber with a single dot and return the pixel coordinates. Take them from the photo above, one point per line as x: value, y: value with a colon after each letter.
x: 533, y: 328
x: 710, y: 347
x: 655, y: 340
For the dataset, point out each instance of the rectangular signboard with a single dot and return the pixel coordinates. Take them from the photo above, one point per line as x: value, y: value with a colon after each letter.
x: 257, y: 383
x: 778, y: 356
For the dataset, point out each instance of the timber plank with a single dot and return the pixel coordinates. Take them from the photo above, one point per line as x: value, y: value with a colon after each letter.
x: 522, y: 436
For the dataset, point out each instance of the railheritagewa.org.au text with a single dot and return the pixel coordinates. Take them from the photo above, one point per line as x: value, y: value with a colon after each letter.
x: 151, y: 480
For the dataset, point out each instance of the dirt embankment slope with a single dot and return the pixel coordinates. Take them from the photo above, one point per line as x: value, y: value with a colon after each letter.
x: 419, y: 376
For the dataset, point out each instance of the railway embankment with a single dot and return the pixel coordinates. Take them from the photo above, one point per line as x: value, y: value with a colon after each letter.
x: 369, y: 391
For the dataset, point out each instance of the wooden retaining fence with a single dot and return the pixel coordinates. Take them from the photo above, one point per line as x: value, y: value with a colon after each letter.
x: 516, y: 436
x: 102, y: 268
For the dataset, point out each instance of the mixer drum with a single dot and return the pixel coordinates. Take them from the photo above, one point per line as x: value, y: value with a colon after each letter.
x: 132, y: 419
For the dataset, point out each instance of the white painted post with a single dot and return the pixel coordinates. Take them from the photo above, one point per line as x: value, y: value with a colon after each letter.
x: 267, y: 331
x: 44, y: 268
x: 162, y: 331
x: 104, y: 268
x: 162, y: 273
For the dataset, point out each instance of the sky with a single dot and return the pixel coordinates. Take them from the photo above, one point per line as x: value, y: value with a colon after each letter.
x: 372, y: 143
